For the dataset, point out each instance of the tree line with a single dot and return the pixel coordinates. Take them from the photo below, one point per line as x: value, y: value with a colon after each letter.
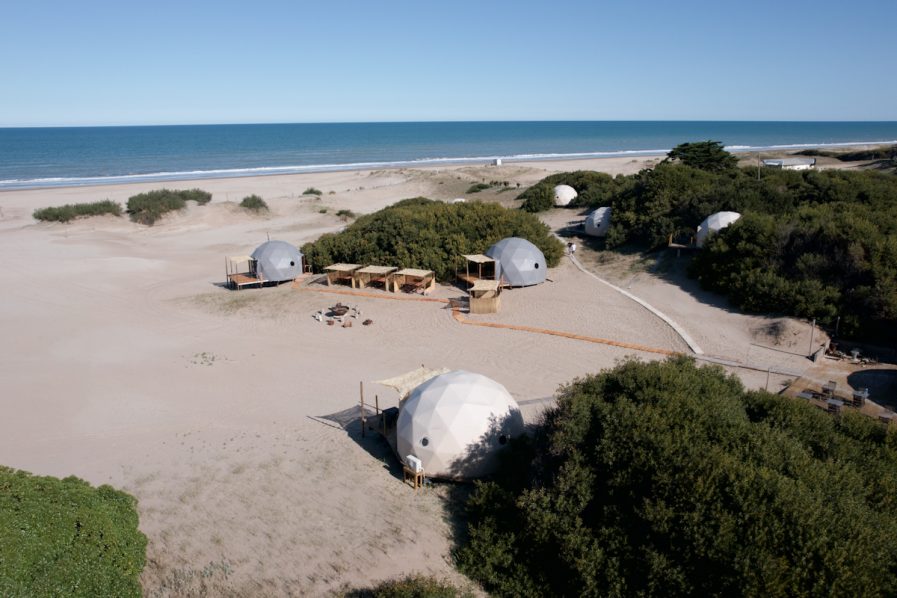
x: 816, y: 244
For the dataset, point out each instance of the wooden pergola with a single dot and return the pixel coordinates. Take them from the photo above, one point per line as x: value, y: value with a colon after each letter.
x: 369, y: 275
x: 478, y: 267
x: 485, y: 297
x: 343, y: 273
x: 413, y: 280
x: 241, y: 271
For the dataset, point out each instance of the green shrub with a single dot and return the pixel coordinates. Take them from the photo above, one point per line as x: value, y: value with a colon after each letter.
x: 816, y: 244
x: 477, y: 187
x: 593, y: 189
x: 147, y: 208
x: 421, y: 233
x: 254, y: 203
x: 346, y: 215
x: 67, y: 538
x: 703, y: 155
x: 667, y: 479
x: 312, y: 191
x: 411, y: 586
x: 69, y: 212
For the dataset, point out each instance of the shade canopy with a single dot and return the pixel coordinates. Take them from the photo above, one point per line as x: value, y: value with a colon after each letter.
x: 277, y: 261
x: 713, y: 224
x: 598, y: 222
x: 519, y: 262
x: 564, y: 194
x: 456, y: 423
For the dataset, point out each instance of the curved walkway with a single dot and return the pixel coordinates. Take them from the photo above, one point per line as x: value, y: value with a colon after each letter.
x: 670, y: 322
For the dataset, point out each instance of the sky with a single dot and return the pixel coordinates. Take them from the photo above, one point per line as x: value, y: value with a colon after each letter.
x: 95, y: 62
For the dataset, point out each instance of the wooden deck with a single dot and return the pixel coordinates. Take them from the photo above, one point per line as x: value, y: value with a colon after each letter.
x: 242, y: 280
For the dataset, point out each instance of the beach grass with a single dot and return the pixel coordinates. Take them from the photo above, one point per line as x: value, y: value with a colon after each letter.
x: 147, y: 208
x: 70, y: 212
x: 254, y: 203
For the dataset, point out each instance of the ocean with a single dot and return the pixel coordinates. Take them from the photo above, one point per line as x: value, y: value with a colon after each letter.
x: 66, y: 156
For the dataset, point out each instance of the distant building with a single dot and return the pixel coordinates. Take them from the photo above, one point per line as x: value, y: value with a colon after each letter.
x: 791, y: 163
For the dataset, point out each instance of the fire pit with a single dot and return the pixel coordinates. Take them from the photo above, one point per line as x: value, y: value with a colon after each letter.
x: 339, y: 310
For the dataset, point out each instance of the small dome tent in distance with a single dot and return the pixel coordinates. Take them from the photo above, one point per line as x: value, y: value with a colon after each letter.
x: 598, y: 222
x: 456, y: 424
x: 278, y: 261
x: 713, y: 224
x: 519, y: 263
x: 563, y: 195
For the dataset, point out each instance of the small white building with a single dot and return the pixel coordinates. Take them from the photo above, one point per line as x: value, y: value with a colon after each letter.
x: 791, y: 163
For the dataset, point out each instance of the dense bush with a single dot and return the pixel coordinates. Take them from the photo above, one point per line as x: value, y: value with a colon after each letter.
x: 477, y: 187
x: 704, y: 155
x: 69, y: 212
x: 312, y: 191
x: 66, y: 538
x: 433, y: 235
x: 147, y: 208
x: 254, y: 203
x: 592, y: 189
x: 411, y: 586
x: 665, y: 479
x: 817, y: 244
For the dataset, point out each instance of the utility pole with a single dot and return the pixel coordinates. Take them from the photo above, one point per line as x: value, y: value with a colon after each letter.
x: 758, y: 166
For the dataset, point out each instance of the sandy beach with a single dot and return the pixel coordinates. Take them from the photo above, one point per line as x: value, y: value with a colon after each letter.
x: 125, y: 362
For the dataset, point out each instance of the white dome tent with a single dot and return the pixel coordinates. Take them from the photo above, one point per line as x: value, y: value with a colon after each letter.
x: 456, y: 423
x: 564, y: 194
x: 519, y: 263
x: 277, y: 261
x: 713, y: 224
x: 598, y: 222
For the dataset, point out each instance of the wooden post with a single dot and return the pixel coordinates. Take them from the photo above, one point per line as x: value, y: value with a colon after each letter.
x: 812, y: 334
x: 377, y: 406
x: 768, y: 370
x: 361, y: 392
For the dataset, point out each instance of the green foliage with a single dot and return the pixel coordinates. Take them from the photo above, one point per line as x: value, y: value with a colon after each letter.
x: 477, y: 187
x: 67, y: 538
x: 312, y: 191
x: 666, y: 479
x: 254, y: 203
x: 412, y: 586
x: 816, y: 244
x: 705, y: 155
x: 421, y: 233
x: 346, y: 215
x: 593, y: 189
x: 147, y: 208
x: 69, y: 212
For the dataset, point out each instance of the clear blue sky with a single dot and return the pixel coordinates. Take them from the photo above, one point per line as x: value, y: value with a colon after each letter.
x: 92, y: 62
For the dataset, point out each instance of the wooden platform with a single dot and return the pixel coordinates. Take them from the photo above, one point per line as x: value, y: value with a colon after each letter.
x: 242, y: 280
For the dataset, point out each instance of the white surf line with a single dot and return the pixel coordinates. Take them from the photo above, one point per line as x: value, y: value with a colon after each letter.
x: 676, y: 327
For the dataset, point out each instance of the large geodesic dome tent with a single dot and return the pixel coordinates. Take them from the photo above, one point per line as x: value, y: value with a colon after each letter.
x: 713, y: 224
x: 598, y: 222
x: 456, y: 423
x: 277, y: 261
x: 519, y: 263
x: 564, y: 194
